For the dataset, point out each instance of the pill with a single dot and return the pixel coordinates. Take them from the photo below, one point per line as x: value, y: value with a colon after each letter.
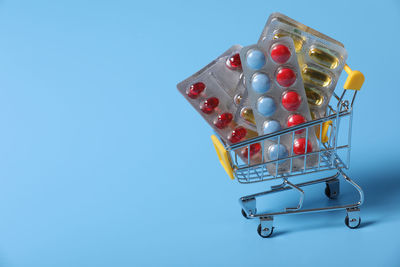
x: 297, y: 40
x: 260, y: 83
x: 316, y: 77
x: 266, y: 106
x: 195, y: 90
x: 285, y: 77
x: 255, y: 59
x: 223, y: 120
x: 280, y: 53
x: 254, y: 149
x: 271, y: 126
x: 208, y: 105
x: 248, y: 115
x: 234, y: 62
x: 299, y: 146
x: 237, y: 134
x: 323, y: 57
x: 314, y: 96
x: 277, y: 151
x: 291, y: 100
x: 237, y: 99
x: 294, y: 120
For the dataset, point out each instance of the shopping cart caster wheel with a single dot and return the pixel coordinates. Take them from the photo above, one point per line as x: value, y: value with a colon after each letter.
x: 267, y: 232
x: 332, y: 189
x: 354, y: 223
x: 245, y: 215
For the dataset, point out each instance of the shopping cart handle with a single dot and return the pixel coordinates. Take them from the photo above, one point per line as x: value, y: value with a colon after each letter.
x: 223, y: 156
x: 355, y: 79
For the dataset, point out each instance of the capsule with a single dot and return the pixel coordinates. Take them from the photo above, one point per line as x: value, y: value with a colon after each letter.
x: 248, y: 115
x: 323, y: 57
x: 316, y: 77
x: 297, y: 40
x: 237, y: 99
x: 314, y: 96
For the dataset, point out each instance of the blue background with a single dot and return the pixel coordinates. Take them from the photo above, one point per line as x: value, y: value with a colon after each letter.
x: 104, y: 163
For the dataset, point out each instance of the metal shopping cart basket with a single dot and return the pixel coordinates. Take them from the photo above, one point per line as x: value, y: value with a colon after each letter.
x: 334, y: 154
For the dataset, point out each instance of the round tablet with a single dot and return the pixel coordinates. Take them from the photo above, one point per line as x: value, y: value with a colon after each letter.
x: 294, y: 120
x: 291, y: 100
x: 280, y: 54
x: 260, y: 83
x: 255, y: 59
x: 271, y: 126
x: 277, y: 152
x: 285, y: 77
x: 299, y: 146
x: 195, y: 90
x: 234, y: 62
x: 266, y: 106
x: 223, y: 120
x: 254, y: 149
x: 237, y: 135
x: 209, y: 105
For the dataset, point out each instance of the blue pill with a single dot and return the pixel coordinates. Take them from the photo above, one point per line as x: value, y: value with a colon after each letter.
x: 271, y: 126
x: 277, y: 152
x: 255, y: 59
x: 266, y: 106
x: 260, y: 83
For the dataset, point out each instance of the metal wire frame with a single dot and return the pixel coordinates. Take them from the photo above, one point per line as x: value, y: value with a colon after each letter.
x: 328, y: 153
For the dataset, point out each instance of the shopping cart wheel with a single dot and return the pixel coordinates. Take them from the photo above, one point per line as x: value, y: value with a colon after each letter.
x: 245, y: 215
x: 355, y: 222
x: 332, y: 189
x: 266, y: 233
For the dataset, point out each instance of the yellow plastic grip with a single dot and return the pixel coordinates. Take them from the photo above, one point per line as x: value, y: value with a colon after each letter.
x: 325, y: 127
x: 223, y: 156
x: 355, y: 79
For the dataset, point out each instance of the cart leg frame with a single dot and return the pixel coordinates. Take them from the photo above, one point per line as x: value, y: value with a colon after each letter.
x: 265, y: 229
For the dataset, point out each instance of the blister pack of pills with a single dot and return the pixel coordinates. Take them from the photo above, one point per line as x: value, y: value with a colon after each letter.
x: 276, y: 92
x: 320, y: 57
x: 218, y: 93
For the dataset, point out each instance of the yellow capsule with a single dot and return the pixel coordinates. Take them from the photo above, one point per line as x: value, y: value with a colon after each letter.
x: 251, y: 134
x: 313, y: 114
x: 316, y: 77
x: 297, y: 40
x: 237, y: 99
x: 314, y: 96
x: 247, y: 115
x: 323, y: 57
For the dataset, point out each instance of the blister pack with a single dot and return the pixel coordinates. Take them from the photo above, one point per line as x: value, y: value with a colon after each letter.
x: 320, y: 57
x: 218, y: 93
x: 275, y: 89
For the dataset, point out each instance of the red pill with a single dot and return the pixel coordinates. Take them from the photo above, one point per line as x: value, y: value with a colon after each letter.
x: 285, y: 77
x: 223, y: 120
x: 294, y: 120
x: 196, y: 89
x: 234, y: 62
x: 291, y: 100
x: 280, y: 53
x: 299, y: 146
x: 254, y: 149
x: 209, y: 105
x: 237, y: 135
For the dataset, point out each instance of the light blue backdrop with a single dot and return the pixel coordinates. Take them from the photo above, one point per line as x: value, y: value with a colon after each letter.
x: 103, y: 162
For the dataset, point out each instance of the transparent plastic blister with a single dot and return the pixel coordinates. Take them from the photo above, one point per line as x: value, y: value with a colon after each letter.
x: 321, y: 59
x: 276, y: 92
x: 218, y: 93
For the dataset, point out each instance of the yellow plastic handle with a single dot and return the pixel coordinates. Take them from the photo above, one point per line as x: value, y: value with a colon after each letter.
x: 325, y: 127
x: 223, y: 156
x: 355, y: 79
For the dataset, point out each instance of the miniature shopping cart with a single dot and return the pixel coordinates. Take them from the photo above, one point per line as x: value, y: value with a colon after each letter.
x: 334, y: 137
